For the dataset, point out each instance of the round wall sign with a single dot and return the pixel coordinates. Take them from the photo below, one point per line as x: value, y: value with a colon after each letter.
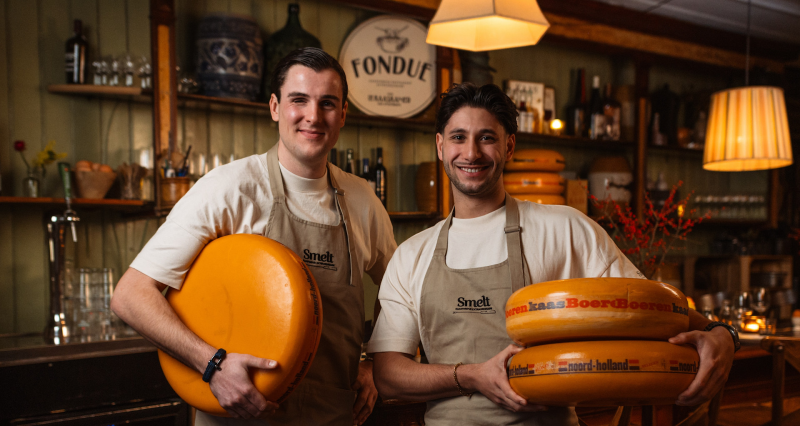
x: 390, y: 69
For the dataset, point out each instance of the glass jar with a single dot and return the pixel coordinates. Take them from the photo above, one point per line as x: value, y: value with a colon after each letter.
x: 30, y: 185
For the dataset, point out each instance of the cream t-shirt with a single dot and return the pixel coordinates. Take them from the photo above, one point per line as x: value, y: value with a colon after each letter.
x: 558, y: 242
x: 236, y: 199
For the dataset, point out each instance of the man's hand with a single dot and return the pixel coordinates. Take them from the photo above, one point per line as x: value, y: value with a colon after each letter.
x: 491, y: 379
x: 715, y: 348
x: 234, y: 390
x: 367, y: 393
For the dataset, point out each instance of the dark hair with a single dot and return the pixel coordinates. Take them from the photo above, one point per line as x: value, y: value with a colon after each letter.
x: 311, y: 57
x: 488, y: 97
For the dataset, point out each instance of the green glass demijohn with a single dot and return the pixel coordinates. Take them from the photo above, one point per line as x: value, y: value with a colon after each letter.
x: 291, y: 37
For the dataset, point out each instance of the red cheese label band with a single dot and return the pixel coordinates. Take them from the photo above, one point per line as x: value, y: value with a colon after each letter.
x: 598, y: 303
x: 596, y: 309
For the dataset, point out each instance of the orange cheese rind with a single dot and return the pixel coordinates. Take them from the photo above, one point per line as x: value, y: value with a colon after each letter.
x: 248, y: 294
x: 549, y: 199
x: 544, y: 160
x: 596, y: 309
x: 605, y: 373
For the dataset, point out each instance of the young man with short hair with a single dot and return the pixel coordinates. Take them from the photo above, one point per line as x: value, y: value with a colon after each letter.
x: 292, y: 195
x: 488, y: 247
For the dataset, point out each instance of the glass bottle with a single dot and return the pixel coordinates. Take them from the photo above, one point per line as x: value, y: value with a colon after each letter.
x: 597, y: 120
x: 612, y: 110
x: 576, y: 113
x: 348, y: 164
x: 291, y: 37
x: 75, y: 55
x: 367, y: 174
x: 381, y: 184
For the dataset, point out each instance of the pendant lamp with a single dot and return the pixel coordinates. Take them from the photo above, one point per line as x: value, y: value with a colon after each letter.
x: 747, y: 127
x: 480, y: 25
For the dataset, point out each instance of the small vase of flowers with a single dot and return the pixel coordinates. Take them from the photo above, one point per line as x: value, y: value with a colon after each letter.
x: 36, y: 168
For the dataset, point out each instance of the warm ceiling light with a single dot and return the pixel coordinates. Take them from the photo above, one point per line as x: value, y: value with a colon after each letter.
x: 747, y: 130
x: 480, y: 25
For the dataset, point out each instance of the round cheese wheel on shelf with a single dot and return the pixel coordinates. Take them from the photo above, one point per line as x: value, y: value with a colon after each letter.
x: 544, y: 160
x: 533, y: 183
x: 596, y: 309
x: 542, y: 198
x: 247, y: 294
x: 607, y: 373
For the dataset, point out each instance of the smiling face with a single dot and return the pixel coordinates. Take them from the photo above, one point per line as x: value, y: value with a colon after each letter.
x: 474, y: 149
x: 310, y: 114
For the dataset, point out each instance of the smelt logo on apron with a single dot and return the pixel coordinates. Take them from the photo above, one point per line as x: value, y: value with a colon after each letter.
x: 474, y: 306
x: 319, y: 260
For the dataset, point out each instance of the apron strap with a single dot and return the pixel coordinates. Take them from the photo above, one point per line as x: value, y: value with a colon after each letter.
x: 516, y: 261
x: 441, y: 241
x: 275, y: 179
x: 340, y: 203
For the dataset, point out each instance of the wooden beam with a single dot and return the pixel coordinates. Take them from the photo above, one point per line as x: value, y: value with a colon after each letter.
x: 165, y: 96
x: 596, y: 23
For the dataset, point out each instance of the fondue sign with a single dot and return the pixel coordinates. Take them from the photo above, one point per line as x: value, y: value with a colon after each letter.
x: 390, y: 69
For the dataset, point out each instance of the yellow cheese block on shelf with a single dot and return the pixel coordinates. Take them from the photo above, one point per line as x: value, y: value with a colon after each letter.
x: 533, y: 183
x: 542, y: 198
x: 543, y: 160
x: 248, y: 294
x: 596, y: 309
x: 606, y: 373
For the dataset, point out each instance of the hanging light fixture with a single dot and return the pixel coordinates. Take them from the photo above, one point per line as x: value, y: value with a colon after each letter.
x: 480, y: 25
x: 747, y: 127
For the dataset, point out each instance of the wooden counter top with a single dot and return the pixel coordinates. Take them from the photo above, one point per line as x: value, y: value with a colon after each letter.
x: 37, y: 352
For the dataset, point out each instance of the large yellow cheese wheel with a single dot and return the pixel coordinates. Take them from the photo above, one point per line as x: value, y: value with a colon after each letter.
x: 596, y: 309
x: 248, y: 294
x: 609, y: 373
x: 533, y: 183
x: 542, y: 198
x: 543, y: 160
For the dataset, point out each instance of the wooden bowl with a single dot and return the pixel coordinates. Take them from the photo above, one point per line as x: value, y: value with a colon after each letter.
x: 93, y: 185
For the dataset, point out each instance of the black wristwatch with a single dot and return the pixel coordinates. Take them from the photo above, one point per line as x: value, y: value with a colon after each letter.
x: 734, y: 333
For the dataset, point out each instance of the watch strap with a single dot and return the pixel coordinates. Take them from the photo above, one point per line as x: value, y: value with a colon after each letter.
x: 734, y: 334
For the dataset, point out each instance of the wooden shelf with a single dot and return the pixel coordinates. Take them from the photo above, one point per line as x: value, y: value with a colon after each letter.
x: 572, y: 141
x: 202, y: 102
x: 734, y: 222
x: 414, y: 216
x: 78, y: 202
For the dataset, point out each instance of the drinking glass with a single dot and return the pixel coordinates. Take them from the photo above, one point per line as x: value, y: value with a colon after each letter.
x: 759, y: 300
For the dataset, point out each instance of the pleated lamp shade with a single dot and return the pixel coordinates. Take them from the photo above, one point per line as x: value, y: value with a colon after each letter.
x: 747, y: 130
x: 480, y: 25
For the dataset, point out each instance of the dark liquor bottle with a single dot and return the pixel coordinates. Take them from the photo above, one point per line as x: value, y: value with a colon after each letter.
x: 381, y: 184
x: 76, y: 56
x: 367, y: 174
x: 597, y: 121
x: 612, y: 110
x: 349, y: 162
x: 334, y: 157
x: 576, y: 113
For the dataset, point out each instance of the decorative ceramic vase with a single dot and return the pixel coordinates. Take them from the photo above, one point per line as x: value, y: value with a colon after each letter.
x: 611, y: 178
x: 291, y: 37
x: 30, y: 185
x: 230, y: 60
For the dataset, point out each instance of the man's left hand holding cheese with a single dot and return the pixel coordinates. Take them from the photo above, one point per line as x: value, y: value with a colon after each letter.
x: 447, y: 286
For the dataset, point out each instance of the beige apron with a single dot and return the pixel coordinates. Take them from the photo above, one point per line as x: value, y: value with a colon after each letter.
x: 324, y: 397
x: 462, y: 317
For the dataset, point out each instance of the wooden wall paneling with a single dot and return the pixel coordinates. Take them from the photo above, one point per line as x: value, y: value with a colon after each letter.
x: 281, y: 12
x: 89, y: 250
x: 424, y: 150
x: 366, y: 148
x: 195, y: 133
x: 30, y: 271
x: 328, y: 29
x: 217, y: 6
x: 138, y: 16
x: 112, y: 31
x: 220, y: 137
x: 25, y: 123
x: 263, y: 11
x: 241, y: 7
x: 243, y: 131
x: 351, y: 137
x: 56, y: 124
x: 188, y: 13
x: 406, y: 171
x: 310, y: 19
x: 7, y: 154
x: 266, y: 134
x: 86, y: 111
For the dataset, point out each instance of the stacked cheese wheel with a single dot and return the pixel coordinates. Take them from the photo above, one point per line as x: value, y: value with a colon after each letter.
x: 599, y: 341
x: 532, y: 175
x: 247, y: 294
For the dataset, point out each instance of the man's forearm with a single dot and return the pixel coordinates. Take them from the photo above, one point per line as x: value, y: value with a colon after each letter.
x: 399, y: 377
x: 138, y: 301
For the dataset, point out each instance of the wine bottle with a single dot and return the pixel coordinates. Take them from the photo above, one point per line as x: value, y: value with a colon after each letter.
x: 348, y: 163
x: 612, y: 110
x: 381, y: 184
x: 596, y: 117
x: 76, y: 56
x: 576, y: 113
x: 367, y: 174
